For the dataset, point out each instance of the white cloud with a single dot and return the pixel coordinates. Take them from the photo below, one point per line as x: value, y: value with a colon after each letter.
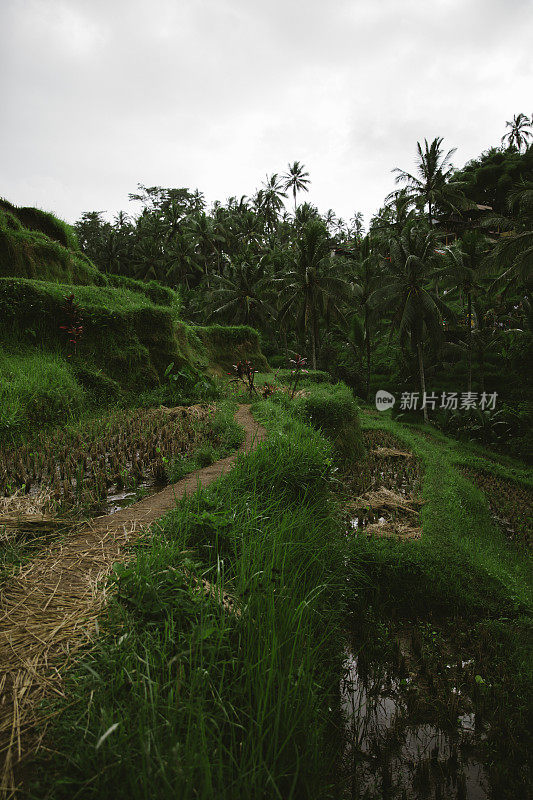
x: 213, y: 94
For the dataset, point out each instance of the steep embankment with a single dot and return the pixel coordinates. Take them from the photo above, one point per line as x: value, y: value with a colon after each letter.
x: 115, y: 336
x: 36, y: 244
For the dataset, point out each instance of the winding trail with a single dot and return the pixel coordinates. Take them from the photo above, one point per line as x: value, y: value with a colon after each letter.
x: 49, y: 610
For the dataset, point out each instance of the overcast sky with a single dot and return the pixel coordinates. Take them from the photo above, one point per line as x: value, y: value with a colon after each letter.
x: 99, y: 95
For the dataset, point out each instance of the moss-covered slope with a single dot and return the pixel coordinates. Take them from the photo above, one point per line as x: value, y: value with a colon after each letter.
x: 36, y: 244
x: 125, y: 334
x: 130, y: 330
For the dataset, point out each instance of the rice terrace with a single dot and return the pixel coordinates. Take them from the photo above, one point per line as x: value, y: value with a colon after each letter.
x: 265, y: 485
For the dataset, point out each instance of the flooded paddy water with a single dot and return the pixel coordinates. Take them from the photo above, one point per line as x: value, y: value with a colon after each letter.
x: 410, y: 699
x: 398, y: 743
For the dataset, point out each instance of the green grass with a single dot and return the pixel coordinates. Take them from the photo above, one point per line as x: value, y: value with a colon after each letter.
x: 332, y: 410
x: 199, y: 702
x: 35, y: 244
x: 131, y: 328
x: 34, y: 219
x: 124, y: 333
x: 466, y: 580
x: 36, y: 389
x: 231, y: 436
x: 465, y: 562
x: 127, y: 344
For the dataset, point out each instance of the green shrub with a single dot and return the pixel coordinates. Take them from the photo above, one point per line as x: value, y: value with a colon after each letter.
x: 328, y: 407
x: 36, y: 388
x: 296, y: 469
x: 205, y: 455
x: 176, y: 469
x: 333, y: 410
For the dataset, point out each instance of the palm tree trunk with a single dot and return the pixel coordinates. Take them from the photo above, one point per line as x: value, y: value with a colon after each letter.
x: 469, y: 355
x: 367, y: 342
x: 313, y: 339
x: 313, y: 349
x: 313, y: 336
x: 422, y: 377
x: 482, y: 370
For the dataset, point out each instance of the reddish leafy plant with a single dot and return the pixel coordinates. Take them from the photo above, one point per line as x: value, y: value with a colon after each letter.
x: 268, y: 390
x: 73, y: 326
x: 245, y: 373
x: 297, y: 364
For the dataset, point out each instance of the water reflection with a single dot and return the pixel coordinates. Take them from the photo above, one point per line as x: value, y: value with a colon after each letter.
x: 391, y: 757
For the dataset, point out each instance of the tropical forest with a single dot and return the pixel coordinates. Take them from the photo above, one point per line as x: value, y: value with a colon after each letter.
x: 266, y: 492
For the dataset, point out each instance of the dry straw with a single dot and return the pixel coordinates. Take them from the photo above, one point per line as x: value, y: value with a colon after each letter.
x: 49, y: 610
x: 388, y: 500
x: 391, y: 452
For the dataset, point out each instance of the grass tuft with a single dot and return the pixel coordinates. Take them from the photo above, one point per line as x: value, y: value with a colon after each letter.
x: 213, y: 702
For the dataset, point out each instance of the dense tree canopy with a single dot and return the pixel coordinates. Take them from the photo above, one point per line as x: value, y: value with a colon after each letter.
x: 431, y: 291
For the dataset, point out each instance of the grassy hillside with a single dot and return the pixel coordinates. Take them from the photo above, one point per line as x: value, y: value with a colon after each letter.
x: 125, y: 349
x: 129, y: 331
x: 36, y: 244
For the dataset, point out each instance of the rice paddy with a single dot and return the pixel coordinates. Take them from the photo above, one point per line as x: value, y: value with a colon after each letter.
x: 437, y: 672
x: 77, y: 468
x: 50, y: 606
x: 511, y: 504
x: 217, y: 579
x: 384, y: 492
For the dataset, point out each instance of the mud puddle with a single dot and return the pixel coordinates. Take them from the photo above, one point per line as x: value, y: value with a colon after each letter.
x: 119, y: 499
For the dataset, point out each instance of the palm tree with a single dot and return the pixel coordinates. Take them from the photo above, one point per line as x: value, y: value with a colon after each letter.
x: 417, y: 312
x: 207, y: 241
x: 296, y: 180
x: 400, y: 204
x: 368, y: 274
x: 305, y: 213
x: 330, y: 218
x: 515, y: 251
x: 240, y: 296
x: 357, y: 223
x: 461, y: 273
x: 270, y: 198
x: 430, y: 186
x: 519, y: 133
x: 121, y: 220
x: 311, y: 285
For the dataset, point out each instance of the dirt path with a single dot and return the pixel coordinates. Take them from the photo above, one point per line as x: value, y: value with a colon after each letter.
x: 50, y: 609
